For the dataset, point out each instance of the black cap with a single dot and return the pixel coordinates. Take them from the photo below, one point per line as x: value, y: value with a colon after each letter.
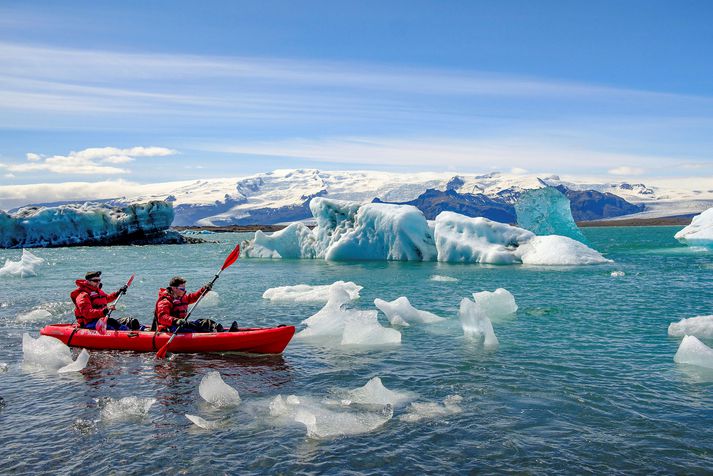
x: 92, y: 275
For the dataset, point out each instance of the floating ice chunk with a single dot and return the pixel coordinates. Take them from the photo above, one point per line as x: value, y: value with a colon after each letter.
x: 325, y: 423
x: 497, y: 304
x: 556, y: 250
x: 125, y: 408
x: 476, y: 324
x: 203, y: 423
x: 374, y: 393
x: 546, y: 211
x: 36, y: 315
x: 617, y: 274
x: 3, y: 367
x: 294, y: 241
x: 363, y: 329
x: 699, y: 232
x: 421, y: 411
x: 45, y: 352
x: 331, y: 319
x: 216, y: 392
x: 78, y: 364
x: 460, y: 239
x: 211, y: 299
x: 701, y: 327
x: 400, y: 310
x: 306, y: 293
x: 445, y: 279
x: 694, y: 352
x: 26, y: 267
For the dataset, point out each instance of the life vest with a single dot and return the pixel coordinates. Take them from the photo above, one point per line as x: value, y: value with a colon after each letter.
x: 178, y: 309
x: 97, y: 298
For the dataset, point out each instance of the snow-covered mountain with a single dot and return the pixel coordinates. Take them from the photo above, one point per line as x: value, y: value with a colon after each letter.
x: 284, y: 195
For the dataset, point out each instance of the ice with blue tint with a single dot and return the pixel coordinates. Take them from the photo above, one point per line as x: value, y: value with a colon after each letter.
x: 400, y: 312
x: 216, y: 392
x: 692, y: 351
x: 203, y: 423
x: 50, y: 354
x: 476, y: 325
x: 376, y: 231
x: 307, y: 293
x: 546, y: 211
x: 699, y: 232
x: 28, y: 265
x: 497, y: 305
x: 126, y: 408
x: 79, y: 364
x: 418, y: 411
x: 700, y: 326
x: 375, y: 393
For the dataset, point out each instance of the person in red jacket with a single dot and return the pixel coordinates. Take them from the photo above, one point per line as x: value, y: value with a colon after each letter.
x: 172, y: 307
x: 91, y: 303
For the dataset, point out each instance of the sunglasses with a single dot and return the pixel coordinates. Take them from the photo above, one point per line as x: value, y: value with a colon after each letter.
x: 182, y: 288
x: 96, y: 280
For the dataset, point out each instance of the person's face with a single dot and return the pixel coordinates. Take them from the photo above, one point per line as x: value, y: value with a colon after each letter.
x: 179, y: 290
x: 95, y: 282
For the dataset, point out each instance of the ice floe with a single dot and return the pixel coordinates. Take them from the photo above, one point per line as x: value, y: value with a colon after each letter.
x: 36, y: 315
x: 498, y: 304
x: 547, y: 211
x: 26, y: 267
x: 554, y: 250
x: 216, y: 392
x: 699, y: 232
x: 476, y: 325
x: 701, y: 327
x: 445, y: 279
x: 211, y: 299
x: 3, y: 367
x: 51, y: 354
x: 374, y: 393
x: 203, y: 423
x: 401, y: 312
x: 77, y: 365
x: 421, y: 411
x: 124, y: 408
x: 307, y: 293
x: 617, y: 274
x: 694, y: 352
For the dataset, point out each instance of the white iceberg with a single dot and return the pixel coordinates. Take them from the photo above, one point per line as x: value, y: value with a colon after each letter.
x: 476, y: 325
x: 125, y: 408
x: 374, y: 393
x: 294, y: 241
x: 3, y: 367
x: 401, y: 312
x: 27, y: 266
x: 203, y: 423
x: 498, y: 304
x: 77, y: 365
x: 364, y: 330
x: 306, y: 293
x: 87, y: 223
x: 45, y: 353
x: 701, y: 327
x: 36, y: 315
x: 445, y: 279
x: 694, y: 352
x: 216, y: 392
x: 422, y: 411
x: 546, y: 211
x: 554, y: 250
x: 699, y: 232
x: 617, y: 274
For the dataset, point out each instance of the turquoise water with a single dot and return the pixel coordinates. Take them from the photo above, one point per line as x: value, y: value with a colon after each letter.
x: 583, y: 381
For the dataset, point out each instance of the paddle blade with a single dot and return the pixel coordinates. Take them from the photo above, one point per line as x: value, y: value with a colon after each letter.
x: 232, y: 257
x: 101, y: 326
x: 161, y: 354
x: 131, y: 280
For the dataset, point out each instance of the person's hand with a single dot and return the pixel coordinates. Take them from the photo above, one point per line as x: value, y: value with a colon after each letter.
x: 208, y: 287
x: 123, y: 289
x: 180, y: 322
x: 108, y: 309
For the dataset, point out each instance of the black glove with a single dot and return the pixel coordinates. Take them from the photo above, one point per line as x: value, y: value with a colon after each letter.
x: 208, y: 287
x: 123, y: 289
x: 105, y: 311
x: 180, y: 322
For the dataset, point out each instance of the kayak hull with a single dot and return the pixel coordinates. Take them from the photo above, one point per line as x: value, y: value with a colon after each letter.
x: 255, y: 341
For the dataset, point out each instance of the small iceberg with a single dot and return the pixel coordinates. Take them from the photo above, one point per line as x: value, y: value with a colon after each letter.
x: 699, y: 232
x: 701, y: 327
x: 26, y: 267
x: 498, y: 304
x: 216, y: 392
x: 694, y: 352
x: 400, y: 312
x: 444, y: 279
x: 77, y: 365
x: 306, y: 293
x: 423, y: 411
x: 547, y: 211
x: 476, y: 325
x: 374, y: 393
x: 617, y: 274
x: 124, y: 408
x: 203, y: 423
x: 48, y: 353
x: 36, y: 315
x: 3, y: 367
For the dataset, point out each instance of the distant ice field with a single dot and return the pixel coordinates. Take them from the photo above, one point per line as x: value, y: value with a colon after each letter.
x: 583, y: 378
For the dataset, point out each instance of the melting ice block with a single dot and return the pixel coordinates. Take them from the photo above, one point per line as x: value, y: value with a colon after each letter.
x: 445, y: 279
x: 476, y: 324
x: 3, y: 367
x: 554, y: 250
x: 36, y: 315
x: 401, y: 312
x: 203, y: 423
x: 497, y: 304
x: 45, y: 352
x: 216, y: 392
x: 421, y: 411
x: 77, y: 365
x: 363, y: 329
x: 699, y: 232
x: 374, y: 393
x: 125, y: 408
x: 27, y: 266
x: 294, y: 241
x: 546, y: 211
x: 701, y: 327
x: 306, y: 293
x: 694, y: 352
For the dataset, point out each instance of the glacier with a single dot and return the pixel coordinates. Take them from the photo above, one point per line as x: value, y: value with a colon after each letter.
x: 86, y: 224
x: 378, y: 231
x: 547, y: 211
x: 699, y: 232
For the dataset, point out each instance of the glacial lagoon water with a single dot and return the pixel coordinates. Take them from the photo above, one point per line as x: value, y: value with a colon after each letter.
x: 583, y: 380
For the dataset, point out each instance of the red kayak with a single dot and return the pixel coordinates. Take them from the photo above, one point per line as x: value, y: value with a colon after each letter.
x: 271, y: 340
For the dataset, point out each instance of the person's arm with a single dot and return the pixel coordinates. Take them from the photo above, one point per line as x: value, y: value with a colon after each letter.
x: 84, y: 304
x: 193, y: 297
x: 163, y: 311
x: 112, y: 297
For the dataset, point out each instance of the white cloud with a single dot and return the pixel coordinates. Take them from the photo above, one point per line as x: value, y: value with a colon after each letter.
x: 88, y: 161
x: 625, y: 170
x: 9, y: 176
x: 518, y: 171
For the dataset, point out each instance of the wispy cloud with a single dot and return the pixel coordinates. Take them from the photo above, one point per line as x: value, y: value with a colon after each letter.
x: 626, y: 170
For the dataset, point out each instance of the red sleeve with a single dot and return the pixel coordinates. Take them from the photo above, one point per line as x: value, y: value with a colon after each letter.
x: 112, y: 297
x: 193, y: 297
x: 84, y: 304
x: 163, y: 311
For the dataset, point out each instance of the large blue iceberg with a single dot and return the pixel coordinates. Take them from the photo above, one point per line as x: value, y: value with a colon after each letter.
x: 546, y: 211
x: 378, y: 231
x: 85, y: 224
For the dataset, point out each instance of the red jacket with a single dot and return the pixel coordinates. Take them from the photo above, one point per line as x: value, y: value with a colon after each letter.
x: 90, y: 302
x: 170, y: 308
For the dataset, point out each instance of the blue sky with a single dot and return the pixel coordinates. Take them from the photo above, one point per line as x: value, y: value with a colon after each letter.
x: 159, y: 91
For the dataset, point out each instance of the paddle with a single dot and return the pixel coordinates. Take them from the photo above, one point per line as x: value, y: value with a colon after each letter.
x: 101, y: 323
x: 232, y: 258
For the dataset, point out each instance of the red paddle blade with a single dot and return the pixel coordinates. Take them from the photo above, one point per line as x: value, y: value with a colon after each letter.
x: 100, y: 326
x: 232, y: 257
x: 131, y: 280
x: 162, y: 352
